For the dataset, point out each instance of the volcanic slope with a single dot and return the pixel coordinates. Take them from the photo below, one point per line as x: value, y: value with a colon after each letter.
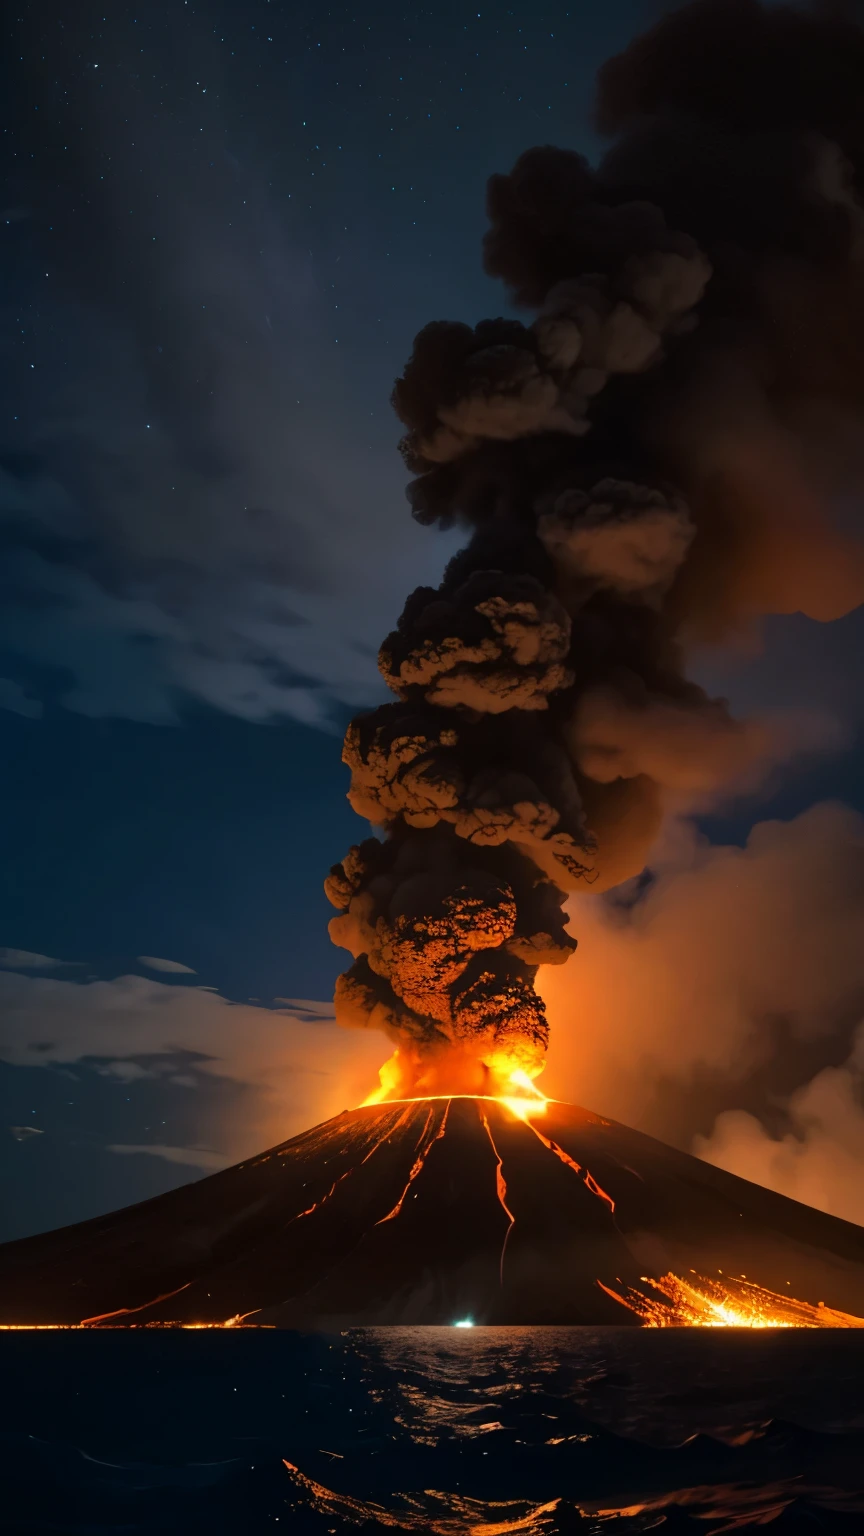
x: 432, y: 1211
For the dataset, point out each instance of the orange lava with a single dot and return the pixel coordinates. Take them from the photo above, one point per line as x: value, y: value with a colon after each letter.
x: 501, y: 1190
x: 104, y: 1317
x: 587, y: 1178
x: 390, y: 1076
x: 425, y: 1145
x: 724, y: 1303
x: 452, y: 1074
x: 238, y: 1321
x: 317, y: 1204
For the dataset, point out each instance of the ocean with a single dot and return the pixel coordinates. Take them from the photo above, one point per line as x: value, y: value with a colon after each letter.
x: 488, y: 1431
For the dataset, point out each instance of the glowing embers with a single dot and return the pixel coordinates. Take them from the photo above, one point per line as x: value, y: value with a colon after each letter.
x: 724, y: 1303
x: 237, y: 1321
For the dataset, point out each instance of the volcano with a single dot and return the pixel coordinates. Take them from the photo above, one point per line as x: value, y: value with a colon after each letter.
x: 446, y: 1210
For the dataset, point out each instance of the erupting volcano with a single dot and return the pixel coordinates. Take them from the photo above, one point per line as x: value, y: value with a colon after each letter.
x: 445, y: 1211
x: 649, y: 463
x: 645, y: 466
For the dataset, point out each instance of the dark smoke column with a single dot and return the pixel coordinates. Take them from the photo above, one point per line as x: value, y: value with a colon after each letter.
x: 512, y: 673
x: 633, y: 466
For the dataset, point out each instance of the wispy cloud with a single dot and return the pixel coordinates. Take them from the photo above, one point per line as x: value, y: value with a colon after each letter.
x: 192, y: 1157
x: 153, y: 963
x: 27, y: 960
x: 199, y: 479
x: 297, y: 1065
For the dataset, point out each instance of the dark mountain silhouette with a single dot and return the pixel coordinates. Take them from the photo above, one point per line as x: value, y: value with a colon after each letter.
x: 432, y: 1211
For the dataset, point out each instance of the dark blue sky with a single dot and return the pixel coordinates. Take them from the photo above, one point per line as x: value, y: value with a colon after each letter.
x: 222, y: 225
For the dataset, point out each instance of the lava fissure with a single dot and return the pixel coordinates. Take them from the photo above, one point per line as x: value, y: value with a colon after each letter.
x: 418, y: 1162
x: 501, y: 1189
x: 587, y: 1178
x: 322, y: 1279
x: 317, y: 1204
x: 435, y: 1265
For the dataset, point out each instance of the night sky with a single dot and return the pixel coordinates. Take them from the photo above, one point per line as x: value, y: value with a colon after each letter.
x: 222, y: 225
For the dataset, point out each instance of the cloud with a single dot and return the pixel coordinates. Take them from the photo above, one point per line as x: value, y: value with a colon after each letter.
x: 155, y: 964
x: 192, y: 1157
x: 26, y: 960
x: 820, y: 1158
x: 681, y: 983
x: 298, y: 1066
x: 195, y: 475
x: 128, y: 1071
x: 24, y: 1132
x: 666, y: 1018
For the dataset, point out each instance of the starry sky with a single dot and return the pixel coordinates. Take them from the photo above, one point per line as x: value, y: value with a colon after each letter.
x: 223, y: 223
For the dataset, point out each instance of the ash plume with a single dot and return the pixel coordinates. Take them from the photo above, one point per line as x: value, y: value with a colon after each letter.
x: 666, y: 450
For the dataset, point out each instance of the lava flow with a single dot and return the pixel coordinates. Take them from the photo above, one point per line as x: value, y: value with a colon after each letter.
x: 507, y: 1208
x: 501, y: 1192
x: 105, y: 1321
x: 425, y: 1146
x: 725, y: 1303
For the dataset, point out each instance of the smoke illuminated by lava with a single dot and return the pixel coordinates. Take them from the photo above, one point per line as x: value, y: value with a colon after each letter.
x: 646, y: 464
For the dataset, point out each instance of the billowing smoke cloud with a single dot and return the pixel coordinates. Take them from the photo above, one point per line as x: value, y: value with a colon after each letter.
x: 666, y: 452
x: 818, y: 1160
x: 724, y: 981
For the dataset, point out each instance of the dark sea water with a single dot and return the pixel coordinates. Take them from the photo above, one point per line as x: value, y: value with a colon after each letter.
x: 433, y: 1430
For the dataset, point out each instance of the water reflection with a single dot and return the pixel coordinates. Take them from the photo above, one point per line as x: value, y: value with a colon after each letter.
x: 445, y: 1431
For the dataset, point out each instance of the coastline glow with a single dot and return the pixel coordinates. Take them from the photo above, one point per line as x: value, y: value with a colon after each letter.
x: 465, y: 1322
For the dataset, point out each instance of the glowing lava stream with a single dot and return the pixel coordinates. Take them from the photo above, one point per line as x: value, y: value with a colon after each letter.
x: 102, y: 1317
x: 501, y: 1187
x: 317, y: 1204
x: 587, y: 1178
x: 527, y: 1102
x: 418, y: 1162
x: 724, y: 1303
x: 237, y: 1321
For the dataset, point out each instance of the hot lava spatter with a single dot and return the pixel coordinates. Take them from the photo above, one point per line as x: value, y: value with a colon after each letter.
x: 508, y: 1208
x: 725, y: 1302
